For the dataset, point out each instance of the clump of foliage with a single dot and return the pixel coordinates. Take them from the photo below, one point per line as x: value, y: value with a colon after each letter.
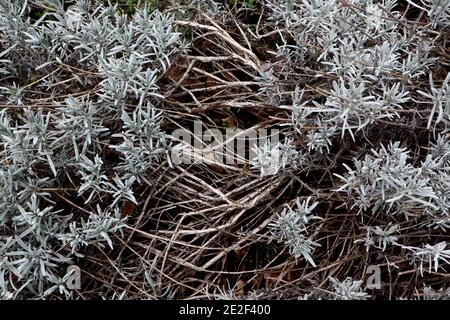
x: 89, y: 138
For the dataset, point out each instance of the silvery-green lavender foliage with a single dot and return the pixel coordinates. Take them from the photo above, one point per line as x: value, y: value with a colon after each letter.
x: 212, y: 7
x: 370, y: 59
x: 369, y: 55
x: 437, y: 10
x: 380, y: 237
x: 271, y: 157
x: 291, y: 228
x: 143, y: 142
x: 385, y: 180
x: 430, y: 255
x: 348, y: 289
x: 440, y: 98
x: 71, y: 138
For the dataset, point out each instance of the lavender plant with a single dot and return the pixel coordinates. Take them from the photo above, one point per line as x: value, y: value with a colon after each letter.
x: 85, y: 45
x: 349, y: 289
x: 291, y: 228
